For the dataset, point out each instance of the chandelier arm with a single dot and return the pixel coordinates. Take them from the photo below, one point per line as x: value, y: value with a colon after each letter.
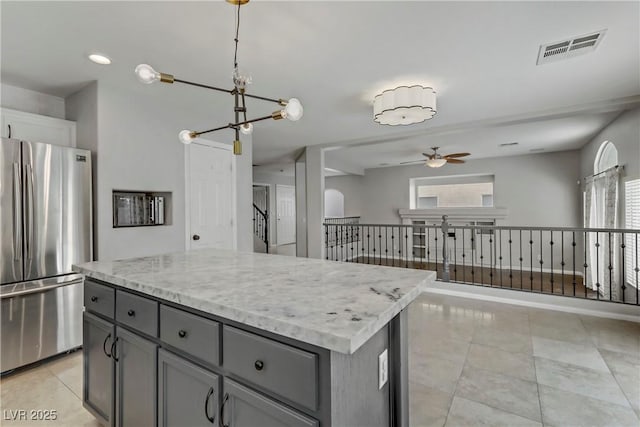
x: 277, y: 101
x: 230, y: 125
x: 259, y: 119
x: 204, y: 86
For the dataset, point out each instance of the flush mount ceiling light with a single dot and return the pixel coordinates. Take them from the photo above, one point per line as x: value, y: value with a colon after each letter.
x: 292, y: 109
x: 99, y: 59
x: 404, y: 105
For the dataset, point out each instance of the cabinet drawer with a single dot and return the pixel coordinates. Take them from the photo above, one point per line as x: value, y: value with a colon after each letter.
x: 193, y: 334
x: 99, y: 298
x: 138, y: 312
x: 243, y: 407
x: 285, y: 370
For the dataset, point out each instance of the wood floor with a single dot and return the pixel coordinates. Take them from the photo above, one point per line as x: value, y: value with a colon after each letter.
x: 526, y: 280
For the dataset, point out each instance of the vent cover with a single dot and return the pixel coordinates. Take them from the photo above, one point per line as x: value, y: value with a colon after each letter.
x: 569, y: 48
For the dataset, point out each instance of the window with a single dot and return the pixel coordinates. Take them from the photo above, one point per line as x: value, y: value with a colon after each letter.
x: 463, y: 191
x: 632, y: 221
x: 606, y: 158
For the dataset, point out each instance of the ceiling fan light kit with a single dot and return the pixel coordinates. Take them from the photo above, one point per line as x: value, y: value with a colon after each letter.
x: 292, y: 110
x: 404, y: 105
x: 436, y: 163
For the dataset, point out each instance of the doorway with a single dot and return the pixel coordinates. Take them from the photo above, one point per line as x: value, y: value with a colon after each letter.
x: 210, y: 196
x: 286, y: 214
x: 262, y: 222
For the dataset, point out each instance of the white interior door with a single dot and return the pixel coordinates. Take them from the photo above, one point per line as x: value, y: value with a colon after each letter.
x: 286, y: 212
x: 211, y: 201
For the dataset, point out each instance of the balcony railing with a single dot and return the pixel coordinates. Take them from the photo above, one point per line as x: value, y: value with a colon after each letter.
x: 591, y: 263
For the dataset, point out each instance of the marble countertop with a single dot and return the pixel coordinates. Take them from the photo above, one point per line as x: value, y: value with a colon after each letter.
x: 330, y: 304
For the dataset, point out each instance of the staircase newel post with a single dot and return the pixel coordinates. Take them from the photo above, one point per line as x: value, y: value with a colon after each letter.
x: 445, y: 256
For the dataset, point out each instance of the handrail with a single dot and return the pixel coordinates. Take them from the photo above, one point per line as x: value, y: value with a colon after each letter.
x: 499, y: 227
x: 264, y: 214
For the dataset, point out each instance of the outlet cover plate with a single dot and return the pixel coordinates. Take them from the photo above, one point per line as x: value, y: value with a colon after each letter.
x: 383, y: 369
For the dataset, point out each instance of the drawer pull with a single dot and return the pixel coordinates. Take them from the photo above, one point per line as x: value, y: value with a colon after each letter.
x: 206, y: 407
x: 182, y: 333
x: 259, y: 365
x: 94, y: 298
x: 131, y: 313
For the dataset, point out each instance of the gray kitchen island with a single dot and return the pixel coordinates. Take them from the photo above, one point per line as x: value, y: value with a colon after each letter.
x: 214, y: 337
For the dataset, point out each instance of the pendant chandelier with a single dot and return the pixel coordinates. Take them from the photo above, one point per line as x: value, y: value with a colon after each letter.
x: 292, y: 108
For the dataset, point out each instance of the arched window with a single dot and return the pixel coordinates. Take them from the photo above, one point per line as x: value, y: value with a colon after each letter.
x: 333, y: 204
x: 606, y: 158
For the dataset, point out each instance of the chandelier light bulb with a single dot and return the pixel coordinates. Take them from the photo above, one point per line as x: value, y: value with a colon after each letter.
x: 186, y: 137
x: 293, y: 111
x: 146, y: 74
x: 246, y: 129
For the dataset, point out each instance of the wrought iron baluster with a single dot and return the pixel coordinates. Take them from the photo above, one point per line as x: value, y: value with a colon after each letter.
x: 455, y: 255
x: 551, y: 259
x: 510, y: 259
x: 573, y: 250
x: 406, y: 246
x: 473, y: 254
x: 500, y: 258
x: 541, y: 262
x: 623, y: 277
x: 610, y: 267
x: 531, y: 260
x: 562, y: 263
x: 598, y: 265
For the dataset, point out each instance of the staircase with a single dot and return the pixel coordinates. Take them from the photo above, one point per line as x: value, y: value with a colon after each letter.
x: 261, y: 227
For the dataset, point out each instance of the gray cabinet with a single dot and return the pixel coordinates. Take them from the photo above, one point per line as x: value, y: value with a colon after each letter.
x: 135, y: 395
x: 188, y: 395
x: 243, y: 407
x: 98, y: 387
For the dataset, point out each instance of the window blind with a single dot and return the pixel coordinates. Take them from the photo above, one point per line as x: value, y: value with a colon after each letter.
x: 632, y: 221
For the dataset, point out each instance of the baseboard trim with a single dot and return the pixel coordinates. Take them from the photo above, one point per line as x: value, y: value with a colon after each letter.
x: 549, y: 302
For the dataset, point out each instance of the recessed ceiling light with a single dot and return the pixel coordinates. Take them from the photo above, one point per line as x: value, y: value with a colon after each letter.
x: 99, y: 59
x: 508, y: 144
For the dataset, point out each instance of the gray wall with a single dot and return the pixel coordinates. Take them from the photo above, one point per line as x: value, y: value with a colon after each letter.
x: 538, y: 189
x: 31, y: 101
x: 351, y: 186
x: 624, y: 133
x: 82, y: 107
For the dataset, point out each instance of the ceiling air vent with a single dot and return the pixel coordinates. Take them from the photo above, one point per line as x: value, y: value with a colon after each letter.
x: 569, y: 48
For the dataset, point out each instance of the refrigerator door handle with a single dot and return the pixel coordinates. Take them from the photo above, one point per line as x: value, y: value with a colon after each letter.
x: 34, y: 290
x: 17, y: 214
x: 29, y: 208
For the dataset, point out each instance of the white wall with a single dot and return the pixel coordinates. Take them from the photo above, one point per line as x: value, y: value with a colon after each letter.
x: 31, y: 101
x: 538, y: 189
x: 351, y: 186
x: 273, y: 180
x: 137, y: 149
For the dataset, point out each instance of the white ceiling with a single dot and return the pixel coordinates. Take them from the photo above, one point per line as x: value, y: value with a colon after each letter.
x: 335, y: 56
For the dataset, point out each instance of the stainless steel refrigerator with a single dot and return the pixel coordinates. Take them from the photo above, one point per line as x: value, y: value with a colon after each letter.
x: 46, y: 226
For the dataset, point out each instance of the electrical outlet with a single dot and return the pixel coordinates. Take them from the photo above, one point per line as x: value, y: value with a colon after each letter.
x: 383, y: 368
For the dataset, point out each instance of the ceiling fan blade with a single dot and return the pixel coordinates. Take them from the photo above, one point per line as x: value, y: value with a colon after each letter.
x: 448, y: 156
x: 412, y: 161
x: 428, y: 156
x: 455, y: 161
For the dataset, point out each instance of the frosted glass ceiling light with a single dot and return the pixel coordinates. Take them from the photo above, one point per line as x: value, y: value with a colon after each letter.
x: 292, y: 108
x: 436, y: 163
x: 404, y: 105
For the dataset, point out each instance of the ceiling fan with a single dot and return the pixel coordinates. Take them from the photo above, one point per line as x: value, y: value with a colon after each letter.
x: 436, y: 160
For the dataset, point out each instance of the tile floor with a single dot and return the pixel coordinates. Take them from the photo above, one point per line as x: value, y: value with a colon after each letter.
x: 483, y: 363
x: 472, y: 363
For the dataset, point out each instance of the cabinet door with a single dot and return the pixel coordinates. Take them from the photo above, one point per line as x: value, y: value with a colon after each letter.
x: 135, y: 380
x: 187, y: 394
x: 36, y: 128
x: 243, y: 407
x: 98, y: 389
